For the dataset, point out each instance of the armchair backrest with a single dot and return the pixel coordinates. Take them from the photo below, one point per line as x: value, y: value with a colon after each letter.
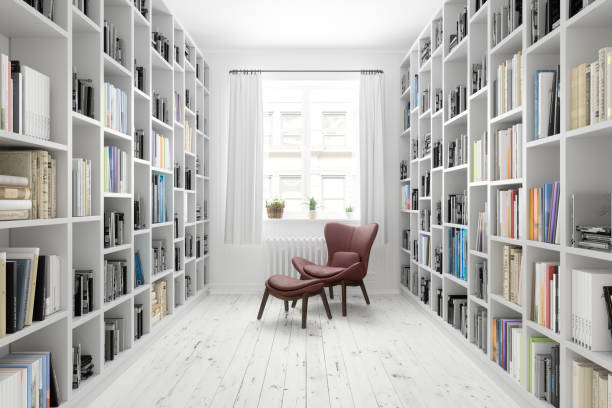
x: 346, y: 238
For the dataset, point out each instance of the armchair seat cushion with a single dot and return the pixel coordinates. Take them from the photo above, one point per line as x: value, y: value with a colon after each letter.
x: 323, y: 272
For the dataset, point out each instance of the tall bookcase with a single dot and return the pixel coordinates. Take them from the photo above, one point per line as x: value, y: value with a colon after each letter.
x: 578, y: 158
x: 75, y: 40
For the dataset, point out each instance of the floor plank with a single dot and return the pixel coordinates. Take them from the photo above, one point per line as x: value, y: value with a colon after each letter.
x: 387, y: 354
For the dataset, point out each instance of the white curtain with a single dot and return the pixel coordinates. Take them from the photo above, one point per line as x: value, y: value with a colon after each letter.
x: 243, y: 212
x: 371, y: 141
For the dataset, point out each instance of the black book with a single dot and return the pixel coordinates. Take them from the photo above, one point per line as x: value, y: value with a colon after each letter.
x: 607, y: 293
x: 40, y: 293
x: 11, y: 296
x: 15, y: 75
x: 55, y: 395
x: 78, y: 295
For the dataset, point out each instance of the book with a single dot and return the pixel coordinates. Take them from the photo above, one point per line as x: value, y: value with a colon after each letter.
x: 589, y: 324
x: 15, y: 193
x: 11, y: 295
x: 508, y: 85
x: 545, y: 295
x: 512, y: 257
x: 115, y: 108
x: 4, y: 301
x: 507, y: 213
x: 507, y: 150
x: 81, y: 187
x: 544, y: 97
x: 544, y: 212
x: 116, y: 170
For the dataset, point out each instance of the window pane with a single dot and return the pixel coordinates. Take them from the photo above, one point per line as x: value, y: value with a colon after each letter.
x: 290, y: 188
x: 333, y: 206
x: 334, y: 122
x: 267, y: 127
x: 291, y: 127
x: 333, y: 187
x: 267, y: 188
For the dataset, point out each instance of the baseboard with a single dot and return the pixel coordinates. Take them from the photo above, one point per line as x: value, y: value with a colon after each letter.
x: 96, y: 385
x: 502, y: 379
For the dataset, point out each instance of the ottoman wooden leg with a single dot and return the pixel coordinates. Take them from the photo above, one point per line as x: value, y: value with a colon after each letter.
x: 331, y: 292
x: 325, y: 304
x: 293, y: 303
x: 286, y: 305
x: 304, y: 310
x: 343, y: 298
x: 263, y: 304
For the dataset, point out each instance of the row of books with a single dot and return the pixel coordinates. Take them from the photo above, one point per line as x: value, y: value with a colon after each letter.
x: 30, y: 184
x: 424, y: 288
x: 545, y: 17
x: 139, y: 76
x: 508, y: 213
x: 425, y: 217
x: 479, y: 329
x: 436, y: 154
x: 83, y: 96
x: 139, y: 152
x: 177, y: 107
x: 82, y: 5
x: 83, y: 291
x: 547, y: 103
x: 481, y: 230
x: 458, y: 151
x: 407, y: 115
x: 32, y: 287
x: 159, y: 301
x: 160, y: 257
x: 507, y: 87
x: 457, y: 101
x: 544, y: 213
x: 506, y: 345
x: 479, y: 75
x: 437, y: 27
x: 426, y: 183
x: 138, y: 321
x: 29, y: 380
x: 403, y: 169
x: 457, y: 208
x: 482, y: 279
x: 161, y: 44
x: 160, y: 107
x: 505, y: 21
x: 425, y: 50
x: 591, y: 308
x: 461, y: 30
x: 480, y: 158
x: 512, y: 265
x: 438, y: 99
x: 81, y: 187
x: 458, y: 252
x: 160, y: 151
x: 116, y: 170
x: 115, y: 279
x: 508, y: 150
x: 591, y: 385
x: 82, y: 366
x: 189, y: 138
x: 545, y: 295
x: 115, y: 108
x: 457, y: 313
x: 424, y: 250
x: 114, y: 228
x: 591, y: 91
x: 25, y: 103
x: 115, y: 339
x: 161, y: 185
x: 113, y: 44
x: 406, y: 197
x: 544, y: 362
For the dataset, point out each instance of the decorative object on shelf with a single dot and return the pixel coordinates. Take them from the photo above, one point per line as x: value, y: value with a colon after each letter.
x: 275, y: 208
x: 348, y: 210
x: 312, y: 208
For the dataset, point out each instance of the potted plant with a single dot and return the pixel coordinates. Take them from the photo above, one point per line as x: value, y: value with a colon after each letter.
x: 349, y: 211
x: 275, y: 208
x: 312, y: 208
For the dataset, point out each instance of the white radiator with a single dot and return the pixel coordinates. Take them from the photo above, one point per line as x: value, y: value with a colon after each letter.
x: 279, y: 252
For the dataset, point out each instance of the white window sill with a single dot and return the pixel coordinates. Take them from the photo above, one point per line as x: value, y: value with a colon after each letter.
x: 353, y: 220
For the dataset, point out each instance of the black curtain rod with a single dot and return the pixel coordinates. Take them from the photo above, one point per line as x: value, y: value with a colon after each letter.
x: 255, y: 71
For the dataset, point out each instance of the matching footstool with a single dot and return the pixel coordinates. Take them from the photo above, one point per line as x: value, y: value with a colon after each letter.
x: 287, y: 288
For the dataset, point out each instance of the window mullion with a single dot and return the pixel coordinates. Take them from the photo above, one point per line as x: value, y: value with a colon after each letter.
x: 306, y: 147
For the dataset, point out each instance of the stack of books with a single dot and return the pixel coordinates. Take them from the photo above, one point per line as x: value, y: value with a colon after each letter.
x: 160, y: 258
x: 508, y: 153
x: 406, y: 197
x: 457, y: 101
x: 424, y: 250
x: 591, y: 91
x: 547, y: 103
x: 506, y: 342
x: 508, y: 213
x: 457, y: 208
x: 513, y: 273
x: 82, y: 366
x: 113, y: 44
x: 81, y: 187
x: 114, y: 228
x: 114, y: 337
x: 25, y: 104
x: 438, y: 98
x: 161, y: 44
x: 160, y: 107
x: 139, y: 144
x: 479, y: 75
x: 32, y: 285
x: 544, y: 213
x: 481, y: 231
x: 425, y: 50
x: 34, y: 197
x: 138, y: 275
x: 507, y: 87
x: 545, y: 295
x: 159, y: 301
x: 591, y: 215
x: 438, y: 32
x: 462, y: 30
x: 457, y: 313
x: 458, y: 151
x: 115, y: 279
x: 458, y: 252
x: 544, y: 362
x: 424, y: 288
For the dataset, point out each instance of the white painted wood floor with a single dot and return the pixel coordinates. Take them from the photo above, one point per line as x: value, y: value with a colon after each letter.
x: 387, y: 354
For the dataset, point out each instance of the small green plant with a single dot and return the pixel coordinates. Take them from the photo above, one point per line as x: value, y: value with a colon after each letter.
x: 348, y: 209
x: 312, y: 204
x: 276, y: 203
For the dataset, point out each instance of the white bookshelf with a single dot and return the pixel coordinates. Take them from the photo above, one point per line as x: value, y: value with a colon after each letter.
x: 74, y: 39
x: 578, y: 158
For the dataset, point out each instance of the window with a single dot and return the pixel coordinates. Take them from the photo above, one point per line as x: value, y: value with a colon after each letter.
x: 310, y: 145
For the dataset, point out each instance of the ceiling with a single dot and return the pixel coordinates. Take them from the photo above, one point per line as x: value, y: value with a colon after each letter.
x: 381, y: 25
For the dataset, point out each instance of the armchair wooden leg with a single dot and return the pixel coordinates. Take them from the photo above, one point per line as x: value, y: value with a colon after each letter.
x: 286, y: 305
x: 263, y: 304
x: 343, y: 298
x: 293, y: 303
x: 304, y: 310
x: 331, y: 292
x: 365, y: 293
x: 325, y: 304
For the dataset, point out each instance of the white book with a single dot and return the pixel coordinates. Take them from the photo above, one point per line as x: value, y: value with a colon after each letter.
x: 4, y: 91
x: 13, y: 181
x: 15, y: 204
x: 594, y: 113
x: 544, y: 90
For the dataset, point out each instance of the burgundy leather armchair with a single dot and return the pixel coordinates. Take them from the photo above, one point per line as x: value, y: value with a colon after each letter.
x: 348, y: 250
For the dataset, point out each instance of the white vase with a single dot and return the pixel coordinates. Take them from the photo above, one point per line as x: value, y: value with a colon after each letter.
x: 312, y: 214
x: 349, y: 215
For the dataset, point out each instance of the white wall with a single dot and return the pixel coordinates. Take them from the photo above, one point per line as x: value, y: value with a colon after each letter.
x: 241, y: 269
